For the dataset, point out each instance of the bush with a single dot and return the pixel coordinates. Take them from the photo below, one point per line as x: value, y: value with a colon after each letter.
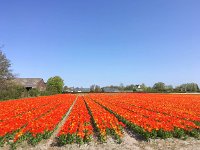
x: 45, y: 93
x: 33, y: 93
x: 11, y: 91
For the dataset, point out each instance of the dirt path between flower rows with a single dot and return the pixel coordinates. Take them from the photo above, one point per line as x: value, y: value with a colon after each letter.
x: 130, y: 141
x: 47, y: 144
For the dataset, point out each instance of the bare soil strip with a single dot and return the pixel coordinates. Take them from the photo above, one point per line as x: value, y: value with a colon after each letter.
x: 130, y: 142
x: 48, y: 143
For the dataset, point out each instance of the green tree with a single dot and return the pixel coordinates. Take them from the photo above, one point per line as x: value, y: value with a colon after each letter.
x: 55, y: 85
x: 129, y: 87
x: 12, y: 91
x: 169, y: 88
x: 143, y: 87
x: 188, y: 87
x: 33, y: 92
x: 5, y: 71
x: 159, y: 87
x: 8, y: 89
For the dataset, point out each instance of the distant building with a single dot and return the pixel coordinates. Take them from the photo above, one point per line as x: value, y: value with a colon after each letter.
x: 138, y: 88
x: 109, y: 89
x: 31, y: 83
x: 76, y: 90
x: 81, y: 89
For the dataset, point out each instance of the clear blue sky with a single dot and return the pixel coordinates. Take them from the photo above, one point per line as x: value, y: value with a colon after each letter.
x: 103, y: 42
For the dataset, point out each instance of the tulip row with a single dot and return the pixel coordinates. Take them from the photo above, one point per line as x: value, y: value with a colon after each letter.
x: 104, y: 122
x: 147, y: 123
x: 77, y: 127
x: 15, y: 123
x: 13, y: 108
x: 38, y: 123
x: 104, y: 115
x: 181, y: 106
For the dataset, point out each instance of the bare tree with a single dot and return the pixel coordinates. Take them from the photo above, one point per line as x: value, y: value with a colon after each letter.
x: 97, y: 89
x: 5, y: 71
x: 92, y: 88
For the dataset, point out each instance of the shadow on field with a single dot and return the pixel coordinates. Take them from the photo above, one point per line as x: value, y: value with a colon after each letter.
x: 134, y: 135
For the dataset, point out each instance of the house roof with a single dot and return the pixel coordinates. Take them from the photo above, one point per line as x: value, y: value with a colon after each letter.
x: 82, y: 89
x: 109, y: 89
x: 28, y: 82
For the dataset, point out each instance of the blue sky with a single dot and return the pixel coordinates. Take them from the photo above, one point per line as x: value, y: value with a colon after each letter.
x: 103, y: 42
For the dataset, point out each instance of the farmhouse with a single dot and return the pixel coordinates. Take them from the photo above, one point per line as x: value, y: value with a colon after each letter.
x: 110, y: 90
x: 31, y: 83
x: 138, y: 88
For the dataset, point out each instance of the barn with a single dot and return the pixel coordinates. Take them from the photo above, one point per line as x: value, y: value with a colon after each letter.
x: 31, y: 83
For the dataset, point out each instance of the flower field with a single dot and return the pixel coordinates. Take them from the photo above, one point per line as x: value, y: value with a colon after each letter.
x: 97, y: 117
x: 77, y: 127
x: 36, y: 122
x: 154, y: 115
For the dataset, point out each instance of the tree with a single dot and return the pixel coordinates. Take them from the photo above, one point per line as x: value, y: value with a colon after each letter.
x: 97, y: 88
x: 11, y: 91
x: 55, y: 85
x: 129, y: 87
x: 159, y: 87
x: 5, y: 71
x: 188, y: 87
x: 8, y: 89
x: 92, y: 88
x: 149, y: 89
x: 66, y: 89
x: 169, y: 88
x: 121, y: 87
x: 143, y: 87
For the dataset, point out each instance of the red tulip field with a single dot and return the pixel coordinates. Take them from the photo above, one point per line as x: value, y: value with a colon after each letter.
x: 97, y: 117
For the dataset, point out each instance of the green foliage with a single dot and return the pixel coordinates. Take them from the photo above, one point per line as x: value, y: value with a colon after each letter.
x: 35, y: 140
x: 177, y: 132
x: 8, y: 90
x: 64, y: 139
x: 143, y: 87
x: 101, y: 138
x: 160, y: 87
x: 95, y: 88
x: 33, y: 92
x: 5, y: 71
x: 11, y: 91
x: 194, y: 133
x: 6, y: 138
x: 188, y: 87
x: 114, y: 135
x: 61, y: 140
x: 55, y: 85
x: 134, y: 89
x: 129, y: 87
x: 169, y: 88
x: 197, y: 123
x: 31, y: 139
x: 92, y: 88
x: 87, y: 138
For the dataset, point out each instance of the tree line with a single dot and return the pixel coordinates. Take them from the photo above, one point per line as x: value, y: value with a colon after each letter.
x: 54, y: 85
x: 10, y: 90
x: 158, y: 87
